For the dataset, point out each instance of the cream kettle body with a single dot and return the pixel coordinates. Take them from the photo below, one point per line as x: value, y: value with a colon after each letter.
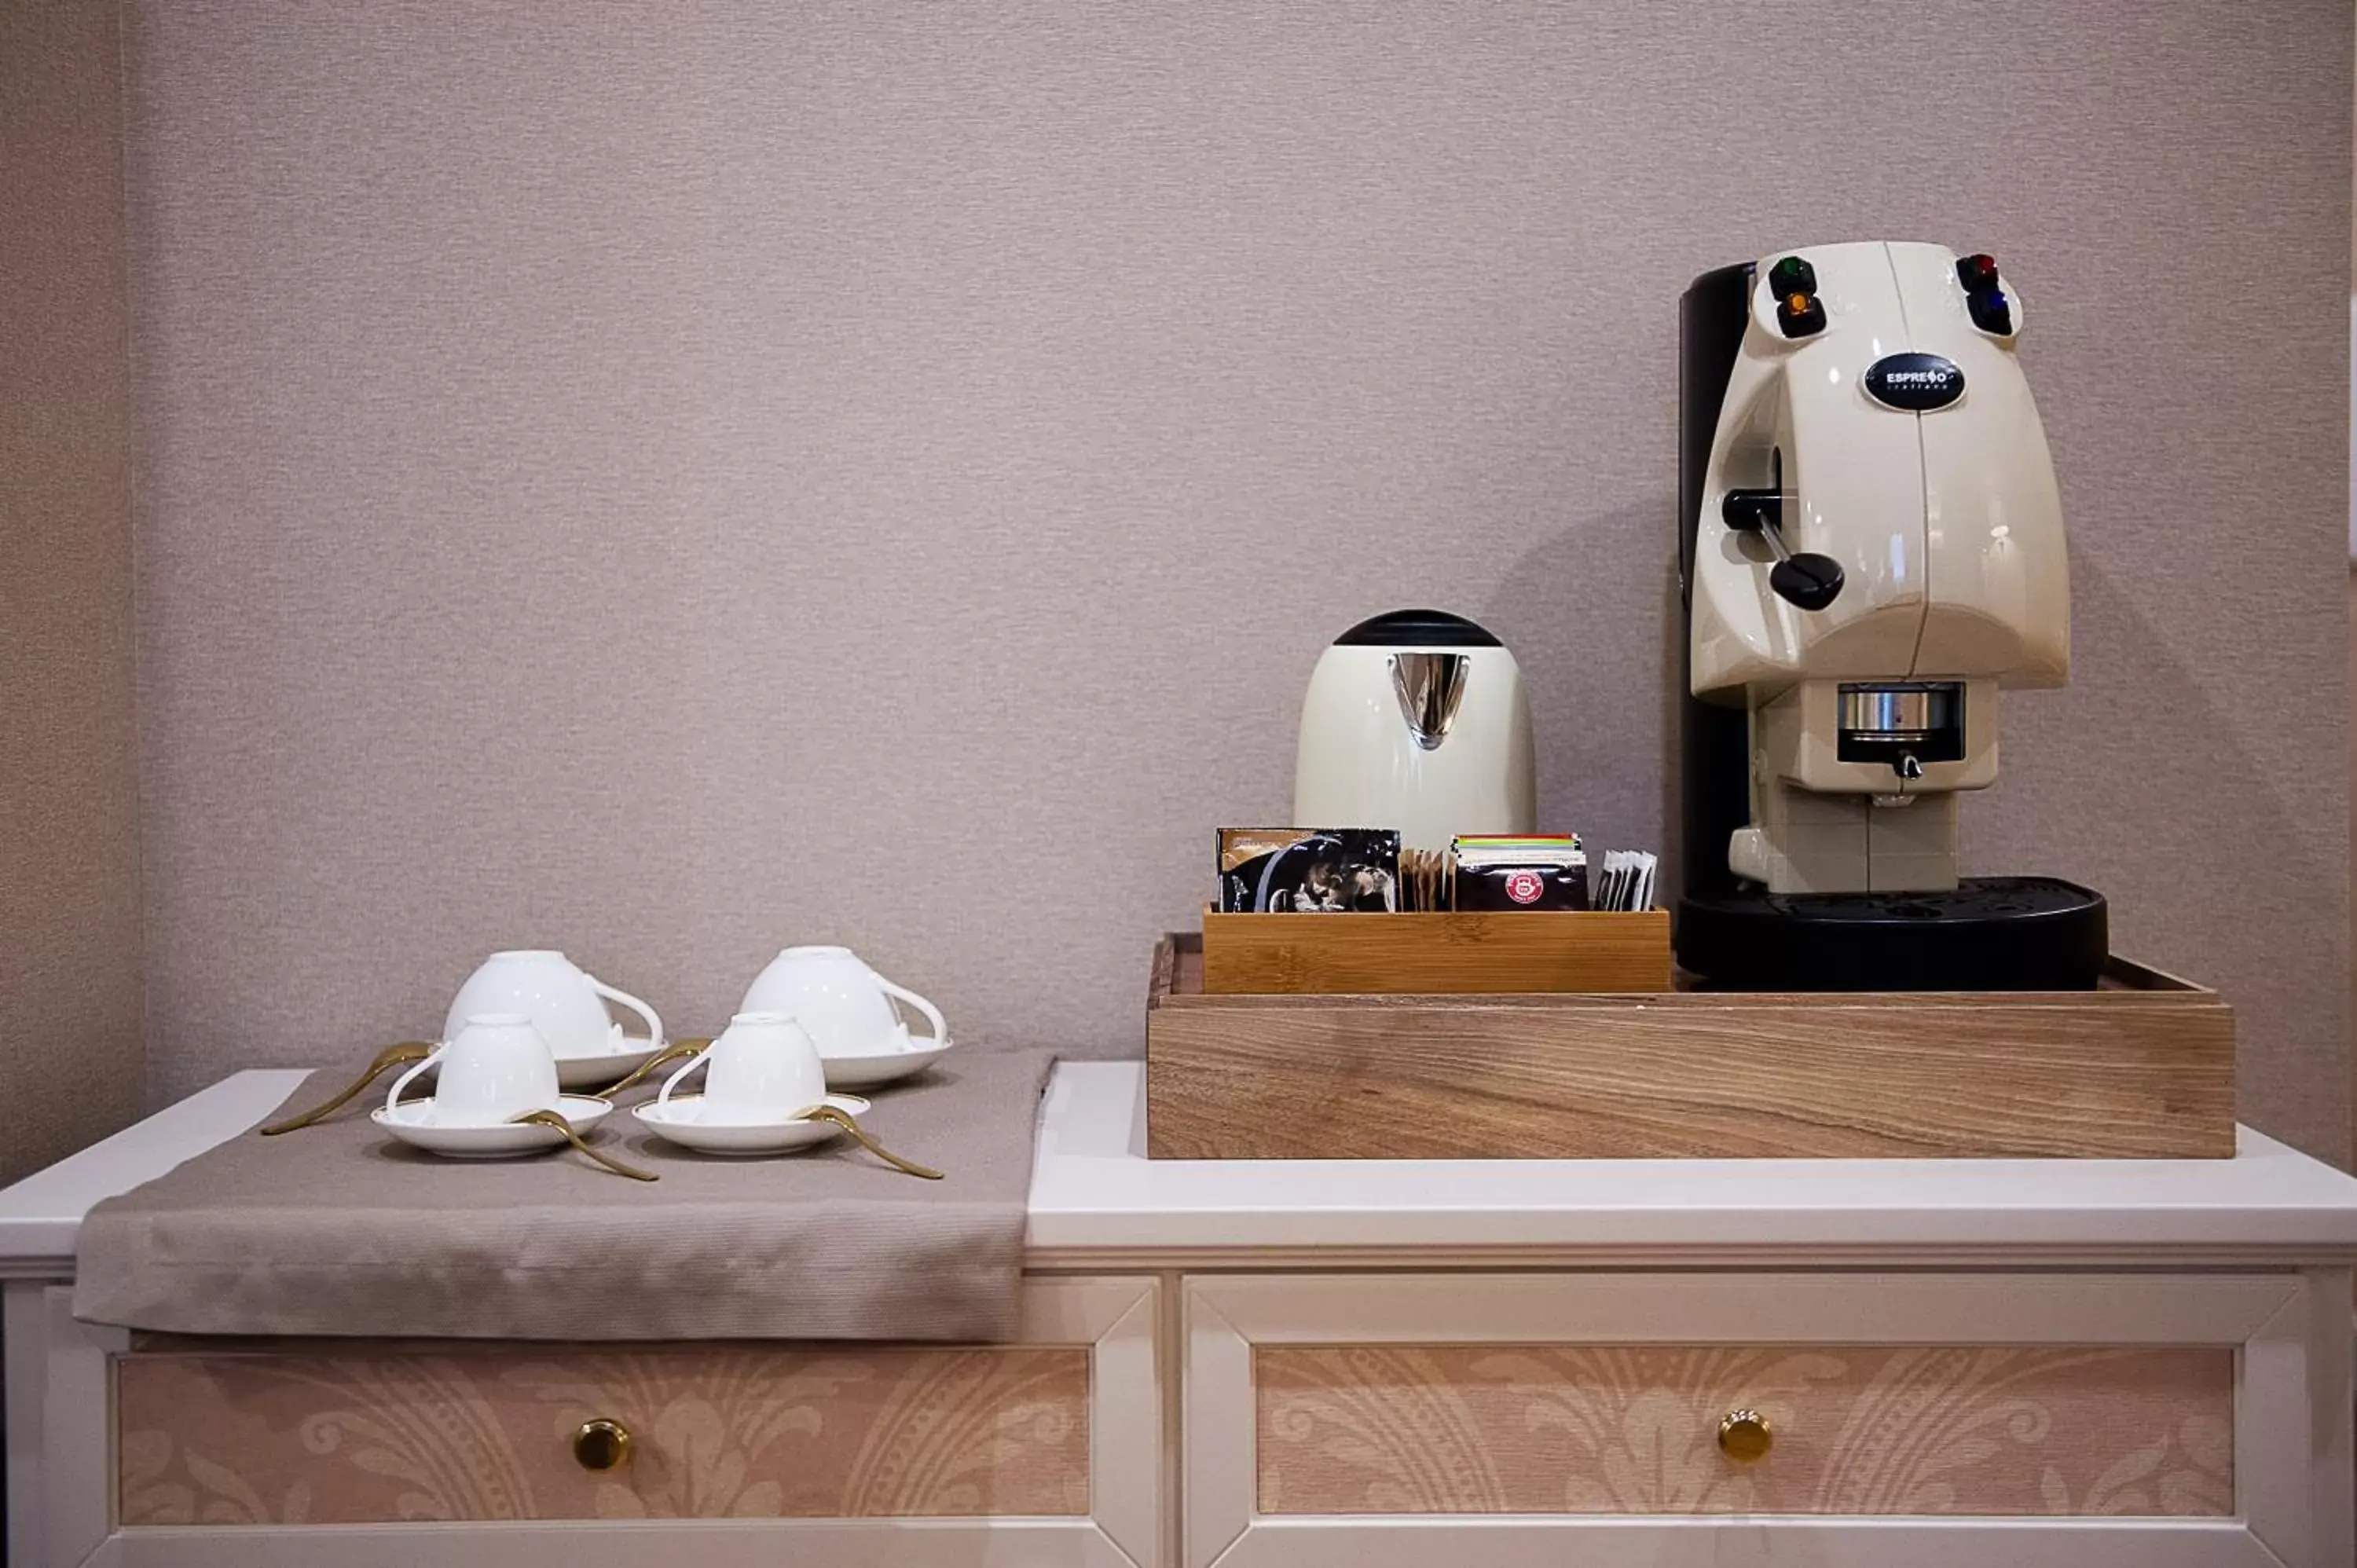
x: 1416, y: 720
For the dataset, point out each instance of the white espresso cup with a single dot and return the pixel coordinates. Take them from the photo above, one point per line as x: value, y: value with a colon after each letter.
x: 762, y: 1069
x: 845, y: 1006
x: 494, y: 1069
x: 565, y: 1002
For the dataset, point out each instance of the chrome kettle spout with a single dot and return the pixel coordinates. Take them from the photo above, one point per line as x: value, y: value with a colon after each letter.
x: 1430, y: 688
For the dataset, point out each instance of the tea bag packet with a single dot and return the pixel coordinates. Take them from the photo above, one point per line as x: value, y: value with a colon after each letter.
x: 1626, y: 880
x: 1425, y: 880
x: 1507, y: 873
x: 1308, y: 871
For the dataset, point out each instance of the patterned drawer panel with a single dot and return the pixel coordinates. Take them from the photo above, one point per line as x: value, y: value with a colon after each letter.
x: 486, y: 1433
x: 1881, y: 1430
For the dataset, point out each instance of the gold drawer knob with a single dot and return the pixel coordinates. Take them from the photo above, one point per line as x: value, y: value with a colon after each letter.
x: 603, y: 1444
x: 1743, y: 1435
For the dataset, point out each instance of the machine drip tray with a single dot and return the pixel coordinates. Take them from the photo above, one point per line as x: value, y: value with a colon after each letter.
x: 1993, y: 933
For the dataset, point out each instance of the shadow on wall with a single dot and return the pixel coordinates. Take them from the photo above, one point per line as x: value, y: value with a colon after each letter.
x: 2181, y: 888
x: 2141, y: 678
x: 1620, y: 796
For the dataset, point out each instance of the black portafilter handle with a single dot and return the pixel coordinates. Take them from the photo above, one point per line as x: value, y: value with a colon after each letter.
x: 1807, y: 580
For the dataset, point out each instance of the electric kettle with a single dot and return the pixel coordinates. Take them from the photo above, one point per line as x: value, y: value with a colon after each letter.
x: 1416, y: 720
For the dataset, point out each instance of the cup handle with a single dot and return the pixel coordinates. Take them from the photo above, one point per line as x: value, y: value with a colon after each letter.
x: 663, y: 1098
x: 392, y: 1096
x: 932, y: 1013
x: 612, y: 993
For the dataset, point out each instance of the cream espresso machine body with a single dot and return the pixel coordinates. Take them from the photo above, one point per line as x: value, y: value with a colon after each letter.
x: 1416, y: 720
x: 1871, y: 550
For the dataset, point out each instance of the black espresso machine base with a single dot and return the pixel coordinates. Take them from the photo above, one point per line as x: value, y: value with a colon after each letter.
x: 1993, y: 933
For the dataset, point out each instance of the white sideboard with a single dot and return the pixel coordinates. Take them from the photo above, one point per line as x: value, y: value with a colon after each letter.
x: 2093, y: 1363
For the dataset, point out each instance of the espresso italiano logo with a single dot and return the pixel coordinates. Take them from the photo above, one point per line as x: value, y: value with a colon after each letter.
x: 1915, y: 383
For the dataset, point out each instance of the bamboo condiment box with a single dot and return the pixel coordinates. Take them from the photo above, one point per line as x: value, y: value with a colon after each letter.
x: 2141, y: 1068
x: 1442, y: 955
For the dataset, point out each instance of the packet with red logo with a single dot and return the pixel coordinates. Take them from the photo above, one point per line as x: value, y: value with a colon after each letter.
x: 1528, y: 871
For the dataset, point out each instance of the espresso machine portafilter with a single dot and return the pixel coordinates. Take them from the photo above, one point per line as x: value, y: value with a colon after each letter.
x: 1871, y: 550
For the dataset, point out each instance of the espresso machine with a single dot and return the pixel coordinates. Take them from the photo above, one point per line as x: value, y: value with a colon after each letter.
x: 1871, y: 551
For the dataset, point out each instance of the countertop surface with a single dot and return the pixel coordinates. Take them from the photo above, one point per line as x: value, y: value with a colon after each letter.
x: 41, y: 1216
x: 1097, y: 1202
x: 1095, y: 1197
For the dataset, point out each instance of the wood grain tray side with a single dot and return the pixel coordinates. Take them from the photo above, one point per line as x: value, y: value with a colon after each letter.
x: 2142, y: 1069
x: 1436, y: 954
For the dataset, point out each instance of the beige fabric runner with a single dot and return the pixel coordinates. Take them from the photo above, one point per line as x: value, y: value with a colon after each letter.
x: 338, y: 1229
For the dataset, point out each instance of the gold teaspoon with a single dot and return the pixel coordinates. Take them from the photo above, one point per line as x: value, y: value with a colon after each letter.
x: 678, y: 1050
x: 556, y: 1120
x: 392, y: 1056
x: 843, y: 1120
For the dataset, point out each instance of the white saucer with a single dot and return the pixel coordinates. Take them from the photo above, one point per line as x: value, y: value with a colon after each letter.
x: 892, y: 1067
x: 597, y: 1071
x: 410, y: 1122
x: 682, y: 1121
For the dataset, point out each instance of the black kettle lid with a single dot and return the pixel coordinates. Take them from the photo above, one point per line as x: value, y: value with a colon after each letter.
x: 1417, y: 628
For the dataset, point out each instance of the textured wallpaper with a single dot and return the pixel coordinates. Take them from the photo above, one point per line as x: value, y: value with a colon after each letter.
x: 670, y: 483
x: 71, y: 1068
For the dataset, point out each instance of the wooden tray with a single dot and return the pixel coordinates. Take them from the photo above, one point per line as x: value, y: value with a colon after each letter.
x: 1436, y: 954
x: 2142, y: 1069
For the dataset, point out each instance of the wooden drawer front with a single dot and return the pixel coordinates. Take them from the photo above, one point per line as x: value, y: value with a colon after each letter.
x: 1876, y: 1430
x: 832, y: 1431
x: 2056, y: 1418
